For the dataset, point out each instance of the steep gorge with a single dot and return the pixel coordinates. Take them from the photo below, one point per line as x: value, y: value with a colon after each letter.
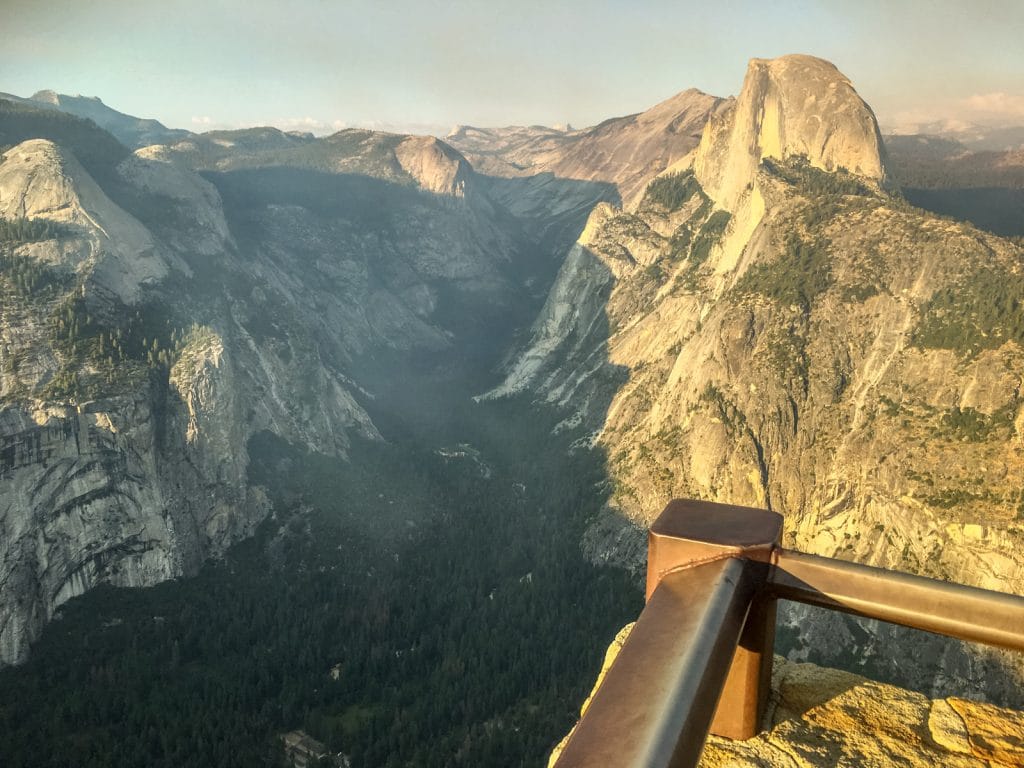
x: 153, y: 321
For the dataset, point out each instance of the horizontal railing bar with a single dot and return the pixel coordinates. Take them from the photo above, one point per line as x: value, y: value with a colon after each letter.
x: 967, y: 613
x: 655, y: 705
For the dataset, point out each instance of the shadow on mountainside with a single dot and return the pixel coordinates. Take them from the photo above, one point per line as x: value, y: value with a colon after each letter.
x: 406, y: 291
x: 567, y: 362
x: 999, y: 210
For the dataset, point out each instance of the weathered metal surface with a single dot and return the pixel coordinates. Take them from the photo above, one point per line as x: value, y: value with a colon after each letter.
x: 657, y: 700
x: 967, y: 613
x: 689, y: 532
x: 745, y: 694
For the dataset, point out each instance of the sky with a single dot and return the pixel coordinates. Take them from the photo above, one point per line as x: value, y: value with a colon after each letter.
x: 424, y: 66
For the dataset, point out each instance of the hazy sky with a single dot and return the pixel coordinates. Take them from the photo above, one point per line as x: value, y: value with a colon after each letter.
x: 330, y: 63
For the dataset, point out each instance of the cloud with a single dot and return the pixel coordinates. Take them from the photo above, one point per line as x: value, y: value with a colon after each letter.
x: 204, y: 120
x: 996, y: 106
x: 411, y: 128
x: 308, y: 123
x: 950, y: 119
x: 997, y: 109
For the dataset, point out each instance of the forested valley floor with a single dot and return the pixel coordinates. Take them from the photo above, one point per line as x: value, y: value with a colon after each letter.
x: 418, y: 605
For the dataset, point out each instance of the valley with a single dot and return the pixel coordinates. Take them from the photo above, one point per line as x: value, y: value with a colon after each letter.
x: 360, y: 434
x: 457, y: 609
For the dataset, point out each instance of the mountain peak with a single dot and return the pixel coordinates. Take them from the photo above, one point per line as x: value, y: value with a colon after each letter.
x: 436, y: 166
x: 46, y: 97
x: 795, y: 105
x: 133, y: 132
x: 791, y: 60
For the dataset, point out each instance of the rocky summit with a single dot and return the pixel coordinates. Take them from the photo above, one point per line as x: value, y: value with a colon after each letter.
x: 794, y: 106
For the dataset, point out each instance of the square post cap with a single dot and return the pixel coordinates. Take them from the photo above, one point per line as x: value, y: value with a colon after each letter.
x: 688, y: 532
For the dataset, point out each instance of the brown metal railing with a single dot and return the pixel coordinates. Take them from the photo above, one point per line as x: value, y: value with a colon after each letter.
x: 699, y: 658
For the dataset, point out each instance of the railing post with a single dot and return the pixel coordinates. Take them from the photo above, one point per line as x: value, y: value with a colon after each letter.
x: 745, y: 695
x: 688, y: 533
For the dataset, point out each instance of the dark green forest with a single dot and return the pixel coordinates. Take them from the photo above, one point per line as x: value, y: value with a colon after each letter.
x: 449, y: 592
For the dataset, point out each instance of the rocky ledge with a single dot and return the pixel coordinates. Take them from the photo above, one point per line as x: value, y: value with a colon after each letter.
x: 825, y: 717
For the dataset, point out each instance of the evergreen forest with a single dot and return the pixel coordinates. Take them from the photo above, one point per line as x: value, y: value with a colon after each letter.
x: 443, y: 616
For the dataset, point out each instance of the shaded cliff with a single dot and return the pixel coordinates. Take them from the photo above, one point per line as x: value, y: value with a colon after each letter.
x: 154, y: 320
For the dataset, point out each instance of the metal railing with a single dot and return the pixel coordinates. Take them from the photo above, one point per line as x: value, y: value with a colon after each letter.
x: 699, y: 658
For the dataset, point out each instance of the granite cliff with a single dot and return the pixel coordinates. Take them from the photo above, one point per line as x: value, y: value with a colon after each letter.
x: 769, y: 326
x: 793, y: 106
x: 160, y: 307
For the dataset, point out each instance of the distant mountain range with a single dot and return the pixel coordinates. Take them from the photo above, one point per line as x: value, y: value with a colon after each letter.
x: 131, y: 131
x: 971, y: 135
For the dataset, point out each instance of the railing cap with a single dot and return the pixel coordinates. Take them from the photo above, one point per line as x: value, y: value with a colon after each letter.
x: 718, y: 525
x: 688, y: 532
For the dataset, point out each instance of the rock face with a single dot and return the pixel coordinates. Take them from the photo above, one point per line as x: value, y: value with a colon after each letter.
x: 155, y: 175
x: 818, y: 716
x: 793, y: 106
x: 822, y: 716
x: 152, y: 321
x: 98, y: 494
x: 434, y: 165
x: 40, y: 181
x: 626, y: 151
x: 813, y: 346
